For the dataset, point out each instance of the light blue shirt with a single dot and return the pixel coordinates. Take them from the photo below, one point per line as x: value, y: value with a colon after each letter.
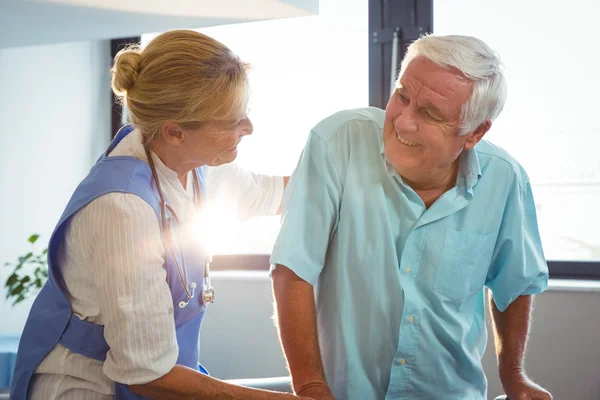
x: 400, y: 288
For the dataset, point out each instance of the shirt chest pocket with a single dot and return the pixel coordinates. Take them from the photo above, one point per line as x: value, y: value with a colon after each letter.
x: 464, y: 264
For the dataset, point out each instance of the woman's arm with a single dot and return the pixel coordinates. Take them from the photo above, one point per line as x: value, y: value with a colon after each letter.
x: 286, y: 179
x: 136, y: 306
x: 183, y: 383
x: 126, y: 257
x: 251, y: 195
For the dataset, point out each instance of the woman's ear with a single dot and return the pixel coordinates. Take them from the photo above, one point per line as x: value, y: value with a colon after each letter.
x: 172, y: 132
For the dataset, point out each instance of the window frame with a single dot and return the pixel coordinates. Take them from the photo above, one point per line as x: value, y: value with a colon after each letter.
x: 416, y: 20
x: 569, y: 270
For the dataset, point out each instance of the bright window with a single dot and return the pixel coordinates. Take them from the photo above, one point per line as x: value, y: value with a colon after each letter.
x: 307, y: 68
x: 550, y: 49
x: 304, y: 69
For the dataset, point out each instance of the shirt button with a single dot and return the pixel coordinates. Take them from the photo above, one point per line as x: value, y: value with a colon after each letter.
x: 407, y: 270
x: 411, y: 319
x: 402, y: 361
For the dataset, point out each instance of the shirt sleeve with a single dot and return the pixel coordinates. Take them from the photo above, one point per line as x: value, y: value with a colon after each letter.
x: 126, y: 253
x: 248, y: 193
x: 310, y: 212
x: 518, y: 265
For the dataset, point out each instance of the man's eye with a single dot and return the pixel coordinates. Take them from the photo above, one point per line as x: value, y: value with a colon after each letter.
x: 429, y: 115
x: 402, y: 98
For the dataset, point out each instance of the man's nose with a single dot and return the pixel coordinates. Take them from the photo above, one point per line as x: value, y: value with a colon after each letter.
x: 405, y: 121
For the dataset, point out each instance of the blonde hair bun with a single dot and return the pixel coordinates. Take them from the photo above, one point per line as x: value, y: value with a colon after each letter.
x: 125, y: 70
x: 180, y: 76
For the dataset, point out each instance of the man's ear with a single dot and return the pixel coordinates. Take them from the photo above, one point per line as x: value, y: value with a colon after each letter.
x: 478, y: 134
x: 172, y: 132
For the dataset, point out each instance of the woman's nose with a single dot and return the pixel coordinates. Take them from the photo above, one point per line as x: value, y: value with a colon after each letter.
x: 246, y: 127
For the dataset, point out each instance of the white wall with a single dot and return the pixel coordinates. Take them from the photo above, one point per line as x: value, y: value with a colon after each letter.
x: 563, y: 350
x: 239, y: 340
x: 54, y: 121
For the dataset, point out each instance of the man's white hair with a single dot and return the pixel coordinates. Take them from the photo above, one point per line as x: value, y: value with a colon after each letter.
x: 478, y: 62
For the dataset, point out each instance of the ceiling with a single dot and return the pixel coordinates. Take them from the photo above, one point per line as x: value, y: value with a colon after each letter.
x: 36, y: 22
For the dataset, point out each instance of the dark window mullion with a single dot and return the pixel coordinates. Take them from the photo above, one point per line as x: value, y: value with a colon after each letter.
x: 116, y: 111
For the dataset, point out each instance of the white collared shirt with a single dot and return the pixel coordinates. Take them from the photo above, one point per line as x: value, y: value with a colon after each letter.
x: 112, y: 264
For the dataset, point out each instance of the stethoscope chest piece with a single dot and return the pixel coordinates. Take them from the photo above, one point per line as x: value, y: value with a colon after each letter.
x: 208, y: 294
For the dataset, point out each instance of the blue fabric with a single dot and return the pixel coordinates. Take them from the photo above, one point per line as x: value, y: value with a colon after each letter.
x: 51, y: 320
x: 8, y: 357
x: 400, y: 288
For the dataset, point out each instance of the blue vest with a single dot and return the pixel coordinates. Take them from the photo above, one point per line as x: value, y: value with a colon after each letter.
x: 51, y: 319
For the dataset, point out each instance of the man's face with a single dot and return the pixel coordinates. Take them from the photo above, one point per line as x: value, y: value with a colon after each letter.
x: 422, y: 120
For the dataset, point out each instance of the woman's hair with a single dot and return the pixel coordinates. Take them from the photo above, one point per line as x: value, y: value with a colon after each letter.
x: 181, y: 76
x: 476, y: 61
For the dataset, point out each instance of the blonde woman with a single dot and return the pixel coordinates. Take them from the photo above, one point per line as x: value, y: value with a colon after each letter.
x: 120, y: 314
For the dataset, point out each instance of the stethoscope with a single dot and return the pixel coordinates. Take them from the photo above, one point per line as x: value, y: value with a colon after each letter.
x: 208, y: 292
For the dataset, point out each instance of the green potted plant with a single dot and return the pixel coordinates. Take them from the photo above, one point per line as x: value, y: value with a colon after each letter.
x: 29, y: 273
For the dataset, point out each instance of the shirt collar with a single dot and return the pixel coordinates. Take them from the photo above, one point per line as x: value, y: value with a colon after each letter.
x: 469, y: 169
x: 167, y: 173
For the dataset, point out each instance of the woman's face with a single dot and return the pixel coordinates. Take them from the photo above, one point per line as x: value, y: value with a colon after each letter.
x: 215, y: 142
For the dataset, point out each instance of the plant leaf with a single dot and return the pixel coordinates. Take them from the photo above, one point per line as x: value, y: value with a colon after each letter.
x: 19, y: 299
x: 24, y: 258
x: 17, y: 289
x: 11, y: 280
x: 33, y: 238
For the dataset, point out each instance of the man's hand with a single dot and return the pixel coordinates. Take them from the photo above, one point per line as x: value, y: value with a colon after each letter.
x: 519, y: 387
x: 316, y: 391
x: 511, y: 328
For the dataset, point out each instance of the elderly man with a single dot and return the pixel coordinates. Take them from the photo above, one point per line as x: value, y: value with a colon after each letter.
x: 394, y: 222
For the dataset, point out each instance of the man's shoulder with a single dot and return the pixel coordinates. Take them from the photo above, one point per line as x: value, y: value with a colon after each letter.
x: 496, y: 160
x: 356, y: 121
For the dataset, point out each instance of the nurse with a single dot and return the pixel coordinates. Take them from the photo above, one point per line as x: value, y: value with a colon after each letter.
x: 120, y: 314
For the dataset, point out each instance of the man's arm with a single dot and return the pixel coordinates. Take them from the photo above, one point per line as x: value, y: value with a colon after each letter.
x: 297, y: 324
x: 183, y: 383
x: 511, y: 331
x: 310, y: 215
